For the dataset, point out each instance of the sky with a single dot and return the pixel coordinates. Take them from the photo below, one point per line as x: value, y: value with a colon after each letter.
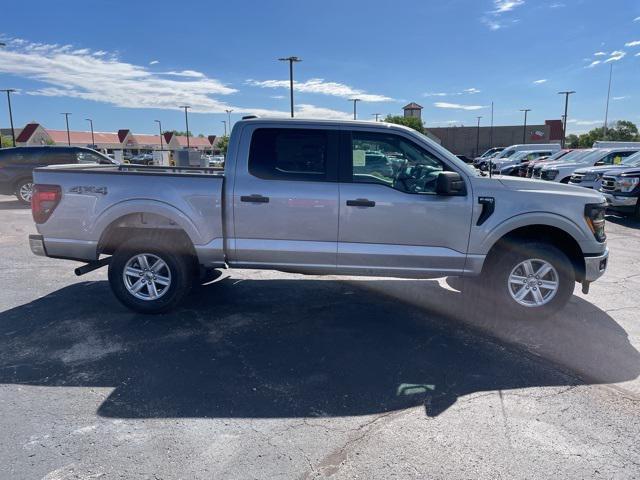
x: 126, y: 64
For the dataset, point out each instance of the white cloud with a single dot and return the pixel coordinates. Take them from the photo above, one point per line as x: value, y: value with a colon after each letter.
x: 637, y: 19
x: 593, y: 64
x: 154, y: 62
x: 615, y: 56
x: 635, y: 43
x: 585, y: 122
x: 637, y: 54
x: 599, y: 54
x: 277, y: 97
x: 457, y: 106
x: 541, y: 81
x: 619, y: 98
x: 493, y: 18
x: 557, y: 5
x: 502, y: 6
x: 466, y: 91
x: 318, y: 85
x: 102, y: 77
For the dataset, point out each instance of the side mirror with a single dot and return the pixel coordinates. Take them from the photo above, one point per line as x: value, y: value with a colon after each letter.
x: 450, y: 184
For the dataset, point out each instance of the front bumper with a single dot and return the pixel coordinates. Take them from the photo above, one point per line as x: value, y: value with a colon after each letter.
x: 594, y: 267
x: 36, y: 243
x: 619, y: 200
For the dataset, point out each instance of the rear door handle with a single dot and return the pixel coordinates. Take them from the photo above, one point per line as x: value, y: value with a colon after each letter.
x: 255, y: 198
x: 361, y: 202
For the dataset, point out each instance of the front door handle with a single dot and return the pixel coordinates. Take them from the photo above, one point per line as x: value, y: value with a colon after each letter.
x: 255, y: 198
x: 361, y: 202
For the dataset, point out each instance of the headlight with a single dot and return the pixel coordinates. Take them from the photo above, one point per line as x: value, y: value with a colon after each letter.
x: 594, y: 216
x: 627, y: 184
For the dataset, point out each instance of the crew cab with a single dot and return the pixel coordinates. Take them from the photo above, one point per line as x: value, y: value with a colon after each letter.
x: 323, y: 197
x: 511, y: 165
x: 591, y: 177
x: 562, y: 170
x: 622, y: 190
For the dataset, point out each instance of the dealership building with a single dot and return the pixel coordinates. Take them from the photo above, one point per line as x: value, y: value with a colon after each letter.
x: 108, y: 142
x: 466, y: 140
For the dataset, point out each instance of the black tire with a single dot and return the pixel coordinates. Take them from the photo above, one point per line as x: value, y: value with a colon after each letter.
x: 24, y: 190
x: 636, y: 211
x: 503, y: 264
x: 179, y: 270
x: 565, y: 180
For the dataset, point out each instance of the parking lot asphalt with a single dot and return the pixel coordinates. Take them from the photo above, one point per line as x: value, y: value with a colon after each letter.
x: 273, y: 375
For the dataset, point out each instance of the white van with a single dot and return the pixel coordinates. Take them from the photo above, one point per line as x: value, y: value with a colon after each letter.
x: 508, y: 151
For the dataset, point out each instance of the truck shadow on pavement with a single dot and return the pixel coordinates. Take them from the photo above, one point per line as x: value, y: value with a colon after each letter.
x: 13, y: 205
x: 276, y: 348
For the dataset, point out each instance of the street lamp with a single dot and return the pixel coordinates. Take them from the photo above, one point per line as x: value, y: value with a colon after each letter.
x: 291, y: 61
x: 524, y: 128
x: 354, y: 100
x: 160, y: 130
x: 606, y: 112
x: 229, y: 114
x: 186, y: 121
x: 93, y: 141
x: 566, y: 108
x: 225, y: 127
x: 13, y: 133
x: 478, y: 138
x: 377, y: 115
x: 66, y: 117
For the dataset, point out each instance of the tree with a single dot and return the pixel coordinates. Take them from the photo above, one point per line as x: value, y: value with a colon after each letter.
x: 622, y: 131
x: 223, y: 144
x: 5, y: 142
x: 572, y: 141
x: 411, y: 122
x: 180, y: 133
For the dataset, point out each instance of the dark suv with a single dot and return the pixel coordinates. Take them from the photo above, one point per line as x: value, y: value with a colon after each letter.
x: 17, y: 164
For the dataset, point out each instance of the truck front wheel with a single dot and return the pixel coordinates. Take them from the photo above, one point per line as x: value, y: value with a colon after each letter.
x: 531, y: 280
x: 149, y: 277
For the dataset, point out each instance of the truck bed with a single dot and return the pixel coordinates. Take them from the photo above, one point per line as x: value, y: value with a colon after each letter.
x: 96, y: 198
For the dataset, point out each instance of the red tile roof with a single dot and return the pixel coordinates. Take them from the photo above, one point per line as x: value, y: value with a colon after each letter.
x: 122, y: 134
x: 412, y: 106
x: 27, y: 131
x: 144, y: 139
x: 60, y: 136
x: 194, y: 141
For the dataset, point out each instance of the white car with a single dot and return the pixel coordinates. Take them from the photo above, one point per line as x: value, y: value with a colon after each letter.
x: 561, y: 171
x: 591, y: 177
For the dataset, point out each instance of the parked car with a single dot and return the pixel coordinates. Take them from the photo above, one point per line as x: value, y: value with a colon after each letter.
x: 142, y: 159
x: 465, y: 159
x: 535, y: 170
x: 17, y: 164
x: 511, y: 150
x: 622, y: 191
x: 511, y: 165
x: 562, y: 170
x: 526, y: 168
x: 591, y: 177
x: 293, y: 197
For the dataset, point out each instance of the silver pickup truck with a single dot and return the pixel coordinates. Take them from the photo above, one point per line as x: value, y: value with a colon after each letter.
x: 322, y: 197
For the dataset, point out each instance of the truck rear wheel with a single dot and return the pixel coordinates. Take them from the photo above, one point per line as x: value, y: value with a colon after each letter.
x: 148, y: 277
x: 24, y: 191
x: 531, y: 280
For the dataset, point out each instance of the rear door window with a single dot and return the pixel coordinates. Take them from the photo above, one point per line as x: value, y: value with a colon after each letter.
x: 293, y: 154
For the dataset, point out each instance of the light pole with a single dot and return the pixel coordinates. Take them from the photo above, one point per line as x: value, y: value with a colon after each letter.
x: 377, y: 115
x: 524, y: 127
x: 66, y: 118
x: 566, y: 108
x: 13, y: 132
x: 355, y: 101
x: 491, y: 131
x: 160, y: 130
x: 225, y: 127
x: 606, y: 112
x: 93, y: 141
x: 291, y: 61
x: 186, y: 120
x: 229, y: 116
x: 478, y: 138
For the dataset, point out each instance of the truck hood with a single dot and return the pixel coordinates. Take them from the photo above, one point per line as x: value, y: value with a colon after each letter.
x: 602, y: 168
x: 562, y: 164
x: 541, y: 187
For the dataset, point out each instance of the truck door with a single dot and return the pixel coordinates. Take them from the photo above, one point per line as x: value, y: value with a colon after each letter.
x: 285, y: 199
x: 391, y: 220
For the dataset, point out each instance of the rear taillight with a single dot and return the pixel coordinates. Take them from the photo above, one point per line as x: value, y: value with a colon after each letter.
x: 44, y: 200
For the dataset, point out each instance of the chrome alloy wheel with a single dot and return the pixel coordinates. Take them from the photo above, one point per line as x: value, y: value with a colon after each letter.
x: 533, y: 283
x: 26, y: 191
x: 146, y: 276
